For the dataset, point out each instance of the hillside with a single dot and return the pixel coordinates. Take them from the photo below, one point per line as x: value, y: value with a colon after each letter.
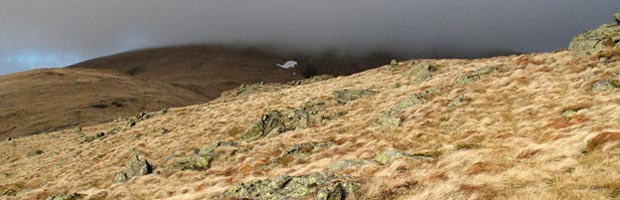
x: 146, y: 80
x: 535, y: 126
x: 532, y: 126
x: 52, y: 99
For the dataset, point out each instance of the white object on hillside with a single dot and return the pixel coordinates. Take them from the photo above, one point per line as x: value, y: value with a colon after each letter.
x: 288, y: 65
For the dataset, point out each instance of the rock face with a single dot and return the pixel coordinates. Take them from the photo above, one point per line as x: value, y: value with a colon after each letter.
x: 275, y: 122
x: 347, y: 95
x: 270, y: 124
x: 392, y: 119
x: 605, y: 36
x: 134, y: 167
x: 317, y: 185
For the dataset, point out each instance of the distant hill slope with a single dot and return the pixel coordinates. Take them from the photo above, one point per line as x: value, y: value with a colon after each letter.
x: 52, y: 99
x: 148, y: 80
x: 212, y: 69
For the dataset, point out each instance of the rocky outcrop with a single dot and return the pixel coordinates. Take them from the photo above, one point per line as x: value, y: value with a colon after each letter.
x: 347, y: 95
x: 317, y: 185
x: 270, y: 124
x: 276, y: 122
x: 420, y: 72
x: 592, y: 41
x: 134, y: 167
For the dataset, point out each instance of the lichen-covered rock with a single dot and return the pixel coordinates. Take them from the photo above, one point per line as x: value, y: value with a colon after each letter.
x: 420, y: 72
x: 270, y: 124
x: 348, y: 95
x: 604, y: 85
x: 389, y: 156
x: 299, y: 151
x: 346, y: 164
x: 392, y: 119
x: 135, y: 167
x: 195, y: 162
x: 317, y: 185
x: 334, y: 192
x: 35, y: 153
x: 73, y: 196
x: 120, y: 177
x: 475, y: 75
x: 307, y: 115
x: 458, y: 101
x: 588, y: 43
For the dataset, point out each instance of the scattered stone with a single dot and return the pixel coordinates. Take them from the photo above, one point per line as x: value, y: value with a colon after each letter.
x: 348, y: 95
x: 163, y: 111
x: 345, y: 164
x: 572, y: 111
x: 475, y: 75
x: 394, y: 62
x: 73, y: 196
x: 9, y: 139
x: 270, y: 124
x: 617, y: 18
x: 420, y: 72
x: 142, y: 116
x: 392, y: 119
x: 91, y: 138
x: 35, y: 153
x: 390, y: 156
x: 317, y: 185
x: 592, y: 41
x: 218, y: 144
x: 162, y: 131
x: 604, y: 85
x: 134, y: 167
x: 458, y: 101
x: 113, y: 131
x: 130, y: 123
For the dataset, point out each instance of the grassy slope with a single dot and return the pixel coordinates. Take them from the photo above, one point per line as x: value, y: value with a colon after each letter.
x: 526, y: 149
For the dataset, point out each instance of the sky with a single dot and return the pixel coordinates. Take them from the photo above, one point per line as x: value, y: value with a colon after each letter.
x: 57, y: 33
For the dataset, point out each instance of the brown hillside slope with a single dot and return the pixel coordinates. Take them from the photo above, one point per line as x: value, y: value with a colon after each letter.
x: 51, y: 99
x: 212, y: 69
x: 538, y: 126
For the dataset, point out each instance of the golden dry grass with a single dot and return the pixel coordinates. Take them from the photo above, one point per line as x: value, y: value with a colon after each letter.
x: 524, y: 148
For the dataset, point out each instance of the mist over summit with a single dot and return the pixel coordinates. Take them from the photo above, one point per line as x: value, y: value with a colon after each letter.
x: 62, y: 32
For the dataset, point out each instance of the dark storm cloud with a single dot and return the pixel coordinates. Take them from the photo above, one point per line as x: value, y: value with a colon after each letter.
x: 47, y: 33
